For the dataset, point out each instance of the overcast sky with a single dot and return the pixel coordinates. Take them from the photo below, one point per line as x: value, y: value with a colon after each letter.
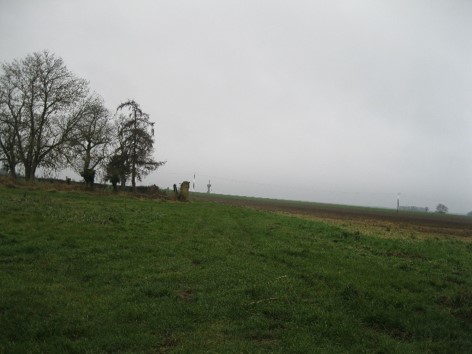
x: 333, y: 101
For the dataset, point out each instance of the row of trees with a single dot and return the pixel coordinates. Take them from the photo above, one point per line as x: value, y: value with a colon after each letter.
x: 50, y: 119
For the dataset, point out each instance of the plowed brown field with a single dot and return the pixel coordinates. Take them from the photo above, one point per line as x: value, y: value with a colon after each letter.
x: 380, y: 222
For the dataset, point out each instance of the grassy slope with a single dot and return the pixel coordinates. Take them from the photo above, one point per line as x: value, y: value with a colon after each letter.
x: 109, y: 274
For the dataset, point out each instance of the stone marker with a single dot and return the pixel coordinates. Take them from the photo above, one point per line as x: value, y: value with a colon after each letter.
x: 184, y: 191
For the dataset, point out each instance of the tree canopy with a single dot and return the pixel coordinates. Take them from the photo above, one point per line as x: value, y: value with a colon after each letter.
x: 91, y: 141
x: 49, y: 119
x: 41, y: 104
x: 442, y: 209
x: 136, y: 140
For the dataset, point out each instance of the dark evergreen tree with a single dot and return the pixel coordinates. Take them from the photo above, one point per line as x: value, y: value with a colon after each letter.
x: 136, y: 140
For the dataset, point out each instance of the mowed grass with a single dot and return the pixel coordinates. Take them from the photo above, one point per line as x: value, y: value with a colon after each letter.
x: 103, y: 273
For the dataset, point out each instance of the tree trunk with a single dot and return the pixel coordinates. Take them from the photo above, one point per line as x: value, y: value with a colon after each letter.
x: 133, y: 162
x: 11, y: 166
x: 133, y: 180
x: 27, y: 172
x: 87, y: 157
x: 12, y: 172
x: 30, y: 171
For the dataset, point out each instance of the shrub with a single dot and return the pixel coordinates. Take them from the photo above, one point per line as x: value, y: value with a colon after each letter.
x: 88, y: 176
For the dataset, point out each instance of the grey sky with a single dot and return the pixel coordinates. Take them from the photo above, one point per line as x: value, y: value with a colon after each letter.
x: 332, y: 101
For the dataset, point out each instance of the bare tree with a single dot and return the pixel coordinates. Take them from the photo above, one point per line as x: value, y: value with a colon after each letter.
x: 41, y: 104
x: 135, y: 135
x: 442, y: 209
x: 8, y: 147
x: 12, y: 106
x: 92, y: 138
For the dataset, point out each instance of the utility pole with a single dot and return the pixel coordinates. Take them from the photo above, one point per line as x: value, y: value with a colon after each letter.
x: 209, y: 187
x: 398, y: 202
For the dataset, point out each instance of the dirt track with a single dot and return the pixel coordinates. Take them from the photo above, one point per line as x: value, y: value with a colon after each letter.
x: 411, y: 222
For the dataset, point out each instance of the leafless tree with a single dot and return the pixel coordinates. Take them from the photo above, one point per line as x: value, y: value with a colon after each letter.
x: 12, y: 106
x: 92, y: 137
x: 8, y: 147
x: 41, y: 103
x: 442, y: 209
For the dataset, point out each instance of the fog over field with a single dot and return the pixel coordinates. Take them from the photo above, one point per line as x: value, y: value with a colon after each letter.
x: 335, y: 101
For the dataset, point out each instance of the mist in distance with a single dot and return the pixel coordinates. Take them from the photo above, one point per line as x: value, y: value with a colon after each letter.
x: 346, y: 102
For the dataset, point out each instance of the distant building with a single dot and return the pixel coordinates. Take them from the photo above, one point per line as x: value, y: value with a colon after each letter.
x: 414, y: 208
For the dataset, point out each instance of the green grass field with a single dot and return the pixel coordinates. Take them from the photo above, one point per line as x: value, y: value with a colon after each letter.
x: 104, y: 273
